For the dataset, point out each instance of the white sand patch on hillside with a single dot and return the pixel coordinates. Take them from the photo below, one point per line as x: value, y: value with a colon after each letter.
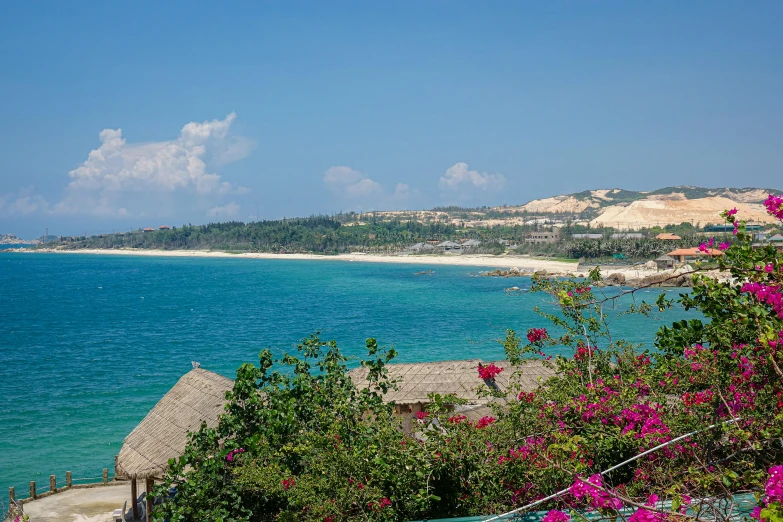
x: 559, y: 204
x: 661, y: 212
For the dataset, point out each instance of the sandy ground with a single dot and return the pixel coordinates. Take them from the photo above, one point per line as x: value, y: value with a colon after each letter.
x: 479, y: 260
x: 81, y: 505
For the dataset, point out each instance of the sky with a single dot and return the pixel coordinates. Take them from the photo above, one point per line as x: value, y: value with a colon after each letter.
x: 117, y: 116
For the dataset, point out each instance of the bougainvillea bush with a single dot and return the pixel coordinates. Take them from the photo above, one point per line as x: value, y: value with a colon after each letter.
x: 673, y: 432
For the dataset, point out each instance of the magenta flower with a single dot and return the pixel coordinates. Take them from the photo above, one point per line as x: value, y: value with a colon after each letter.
x: 587, y: 489
x: 485, y: 421
x: 489, y: 372
x: 724, y: 246
x: 731, y: 212
x: 774, y: 205
x: 774, y: 487
x: 536, y: 334
x: 556, y: 516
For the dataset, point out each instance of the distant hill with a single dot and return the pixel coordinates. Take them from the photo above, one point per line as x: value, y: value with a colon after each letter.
x: 621, y: 208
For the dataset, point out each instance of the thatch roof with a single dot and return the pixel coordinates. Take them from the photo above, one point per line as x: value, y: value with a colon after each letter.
x: 198, y: 396
x: 461, y: 378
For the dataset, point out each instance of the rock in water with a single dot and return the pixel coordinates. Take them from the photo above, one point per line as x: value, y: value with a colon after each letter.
x: 616, y: 278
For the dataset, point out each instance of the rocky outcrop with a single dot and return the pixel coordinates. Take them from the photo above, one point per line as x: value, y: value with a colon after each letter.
x: 615, y: 279
x: 669, y: 279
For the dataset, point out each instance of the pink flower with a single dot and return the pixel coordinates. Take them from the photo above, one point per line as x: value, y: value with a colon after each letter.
x: 774, y: 206
x: 724, y: 246
x: 289, y: 483
x: 489, y: 372
x: 587, y: 489
x: 756, y: 513
x: 774, y: 487
x: 485, y: 421
x: 703, y: 248
x: 556, y: 516
x: 421, y: 415
x: 456, y: 419
x: 536, y: 334
x: 731, y: 212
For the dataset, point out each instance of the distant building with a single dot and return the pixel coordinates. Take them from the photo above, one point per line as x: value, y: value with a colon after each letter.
x: 164, y: 227
x: 666, y: 236
x: 627, y: 235
x: 543, y: 237
x: 681, y: 255
x: 449, y: 246
x: 471, y: 243
x: 149, y: 230
x: 730, y: 228
x: 371, y: 236
x: 776, y: 241
x: 419, y: 248
x: 588, y: 236
x: 665, y: 262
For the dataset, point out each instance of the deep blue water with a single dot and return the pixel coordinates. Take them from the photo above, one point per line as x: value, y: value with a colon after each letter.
x: 88, y: 344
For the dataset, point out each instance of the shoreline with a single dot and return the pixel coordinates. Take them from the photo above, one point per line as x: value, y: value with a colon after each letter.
x: 474, y: 260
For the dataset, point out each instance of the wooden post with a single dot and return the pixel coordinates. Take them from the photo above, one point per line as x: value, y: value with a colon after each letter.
x: 11, y: 495
x: 68, y: 479
x: 52, y: 483
x: 105, y: 475
x: 149, y: 499
x: 32, y: 489
x: 135, y: 499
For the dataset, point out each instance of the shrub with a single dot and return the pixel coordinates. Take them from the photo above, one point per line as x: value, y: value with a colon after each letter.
x: 616, y: 428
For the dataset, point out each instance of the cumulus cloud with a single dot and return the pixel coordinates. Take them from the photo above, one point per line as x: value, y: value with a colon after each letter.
x: 23, y: 203
x: 459, y: 177
x: 229, y: 211
x: 121, y: 179
x: 362, y: 193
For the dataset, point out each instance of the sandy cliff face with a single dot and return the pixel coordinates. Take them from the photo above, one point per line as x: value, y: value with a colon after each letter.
x: 651, y: 212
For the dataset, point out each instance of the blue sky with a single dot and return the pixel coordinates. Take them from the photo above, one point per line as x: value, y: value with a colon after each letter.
x: 203, y: 111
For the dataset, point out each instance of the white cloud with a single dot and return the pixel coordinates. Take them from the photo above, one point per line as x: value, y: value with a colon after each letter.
x: 335, y: 176
x: 121, y: 179
x: 23, y: 202
x: 168, y: 165
x: 238, y: 148
x: 459, y: 177
x: 229, y: 211
x: 362, y: 192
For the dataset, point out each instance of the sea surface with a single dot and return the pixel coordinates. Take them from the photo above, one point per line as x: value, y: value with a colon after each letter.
x: 89, y: 343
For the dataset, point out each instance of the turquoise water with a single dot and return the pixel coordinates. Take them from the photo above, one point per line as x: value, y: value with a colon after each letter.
x: 88, y: 344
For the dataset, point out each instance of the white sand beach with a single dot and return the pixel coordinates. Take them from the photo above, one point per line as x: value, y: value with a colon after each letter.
x: 477, y: 260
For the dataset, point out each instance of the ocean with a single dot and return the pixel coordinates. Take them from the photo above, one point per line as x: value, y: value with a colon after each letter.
x: 89, y: 343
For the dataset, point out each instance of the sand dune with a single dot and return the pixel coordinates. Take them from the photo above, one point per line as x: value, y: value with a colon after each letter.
x: 650, y: 212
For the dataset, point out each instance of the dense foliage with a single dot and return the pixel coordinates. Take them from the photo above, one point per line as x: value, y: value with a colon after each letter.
x: 327, y: 235
x: 300, y: 442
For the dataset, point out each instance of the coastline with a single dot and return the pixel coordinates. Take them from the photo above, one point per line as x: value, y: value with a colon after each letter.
x: 475, y: 260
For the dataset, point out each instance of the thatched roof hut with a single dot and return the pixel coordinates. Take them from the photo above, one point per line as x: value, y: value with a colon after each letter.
x: 460, y: 378
x: 198, y: 396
